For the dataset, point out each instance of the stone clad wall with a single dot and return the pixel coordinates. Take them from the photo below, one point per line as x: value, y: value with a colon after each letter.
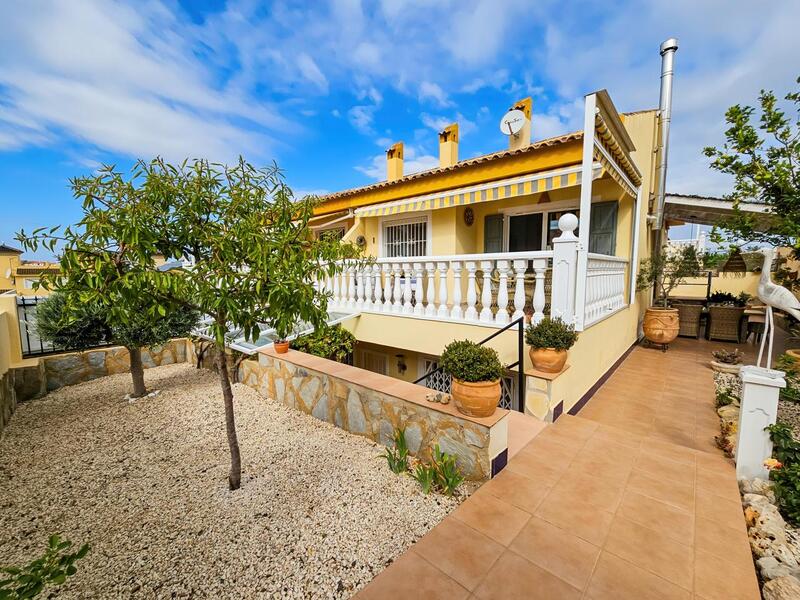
x: 8, y: 398
x: 370, y: 413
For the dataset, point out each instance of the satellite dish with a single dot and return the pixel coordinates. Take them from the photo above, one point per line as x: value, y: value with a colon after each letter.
x: 512, y: 122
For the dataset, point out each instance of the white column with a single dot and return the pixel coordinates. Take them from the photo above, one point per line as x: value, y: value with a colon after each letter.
x: 351, y: 286
x: 519, y: 288
x: 407, y: 308
x: 501, y: 318
x: 337, y: 287
x: 539, y: 300
x: 471, y: 314
x: 587, y: 165
x: 760, y: 390
x: 379, y: 302
x: 486, y: 292
x: 397, y: 296
x: 419, y: 307
x: 443, y: 299
x: 456, y: 312
x: 565, y: 264
x: 430, y: 309
x: 360, y: 292
x: 367, y: 279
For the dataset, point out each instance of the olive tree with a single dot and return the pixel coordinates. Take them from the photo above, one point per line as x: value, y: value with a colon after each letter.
x: 101, y: 295
x: 256, y: 263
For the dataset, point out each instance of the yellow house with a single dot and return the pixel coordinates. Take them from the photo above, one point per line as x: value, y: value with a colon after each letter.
x: 19, y: 275
x: 465, y: 250
x: 9, y: 260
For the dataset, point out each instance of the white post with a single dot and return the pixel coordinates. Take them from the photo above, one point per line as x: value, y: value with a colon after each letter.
x: 486, y: 292
x: 587, y: 167
x: 501, y: 318
x: 565, y: 264
x: 634, y: 265
x: 397, y: 299
x: 367, y: 279
x: 407, y: 308
x: 442, y: 312
x: 471, y: 314
x: 360, y: 291
x: 519, y: 288
x: 539, y: 300
x: 419, y: 307
x: 386, y: 305
x: 455, y: 312
x: 351, y: 286
x: 760, y: 389
x: 337, y: 286
x: 430, y: 308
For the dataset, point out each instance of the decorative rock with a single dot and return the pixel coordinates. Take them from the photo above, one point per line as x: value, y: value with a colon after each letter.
x: 758, y: 486
x: 768, y: 528
x: 729, y: 413
x: 356, y: 422
x: 781, y: 588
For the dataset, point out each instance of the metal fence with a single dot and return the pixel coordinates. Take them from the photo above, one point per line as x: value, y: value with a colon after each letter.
x: 32, y: 344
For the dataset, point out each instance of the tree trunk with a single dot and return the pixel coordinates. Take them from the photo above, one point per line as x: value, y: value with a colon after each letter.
x: 137, y: 373
x: 235, y: 476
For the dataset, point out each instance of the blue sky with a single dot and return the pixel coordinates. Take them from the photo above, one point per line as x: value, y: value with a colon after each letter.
x: 323, y: 88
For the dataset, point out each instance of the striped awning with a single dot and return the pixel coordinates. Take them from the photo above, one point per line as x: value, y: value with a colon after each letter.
x: 495, y: 190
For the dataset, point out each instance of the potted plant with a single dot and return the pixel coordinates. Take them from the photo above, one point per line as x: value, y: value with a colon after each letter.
x: 663, y: 272
x: 549, y: 341
x: 476, y: 372
x: 283, y: 321
x: 726, y: 361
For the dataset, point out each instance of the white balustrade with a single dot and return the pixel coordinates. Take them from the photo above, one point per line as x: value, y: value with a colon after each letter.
x: 605, y: 286
x: 486, y: 292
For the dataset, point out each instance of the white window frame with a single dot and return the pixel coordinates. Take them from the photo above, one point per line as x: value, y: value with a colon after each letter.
x: 401, y: 219
x: 362, y: 353
x: 518, y: 211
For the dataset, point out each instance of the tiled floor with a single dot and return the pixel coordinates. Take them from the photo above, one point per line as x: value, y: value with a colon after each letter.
x: 628, y: 500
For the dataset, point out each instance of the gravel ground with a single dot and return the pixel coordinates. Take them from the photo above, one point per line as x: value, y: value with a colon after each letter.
x: 789, y: 412
x: 318, y: 515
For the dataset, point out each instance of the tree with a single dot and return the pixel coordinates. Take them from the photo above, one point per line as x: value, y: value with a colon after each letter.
x: 665, y: 270
x: 86, y: 325
x: 766, y: 169
x: 99, y: 260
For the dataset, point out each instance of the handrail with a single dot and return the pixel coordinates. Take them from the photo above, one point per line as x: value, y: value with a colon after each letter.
x: 532, y: 255
x: 519, y: 364
x: 608, y: 257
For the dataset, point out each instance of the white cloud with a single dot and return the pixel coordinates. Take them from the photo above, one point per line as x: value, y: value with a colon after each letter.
x: 439, y: 122
x: 432, y: 91
x: 361, y: 118
x: 311, y: 71
x: 414, y: 161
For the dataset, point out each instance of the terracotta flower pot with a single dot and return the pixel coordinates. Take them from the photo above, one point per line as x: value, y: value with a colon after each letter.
x: 282, y: 347
x: 478, y: 399
x: 661, y: 325
x: 721, y: 367
x: 548, y: 360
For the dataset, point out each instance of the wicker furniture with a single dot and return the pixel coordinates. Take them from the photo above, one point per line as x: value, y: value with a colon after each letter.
x: 689, y: 315
x: 725, y: 322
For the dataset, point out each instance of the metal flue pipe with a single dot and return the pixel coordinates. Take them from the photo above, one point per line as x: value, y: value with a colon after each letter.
x: 668, y: 49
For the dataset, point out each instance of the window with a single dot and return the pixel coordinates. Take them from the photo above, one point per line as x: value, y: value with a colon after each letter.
x: 525, y: 232
x: 493, y: 233
x: 28, y: 283
x: 371, y: 361
x: 334, y: 233
x: 408, y: 237
x: 603, y: 228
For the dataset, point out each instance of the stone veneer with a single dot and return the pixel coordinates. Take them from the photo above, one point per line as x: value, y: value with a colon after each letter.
x: 374, y: 405
x: 58, y: 370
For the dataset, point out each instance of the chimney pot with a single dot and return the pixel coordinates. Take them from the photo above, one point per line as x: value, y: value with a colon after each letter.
x: 394, y: 162
x: 448, y: 146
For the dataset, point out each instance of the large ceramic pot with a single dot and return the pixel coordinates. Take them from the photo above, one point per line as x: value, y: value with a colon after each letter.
x: 282, y: 347
x: 661, y: 325
x: 548, y: 360
x: 478, y: 399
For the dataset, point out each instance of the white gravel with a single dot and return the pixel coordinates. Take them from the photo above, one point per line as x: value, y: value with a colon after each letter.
x: 318, y: 514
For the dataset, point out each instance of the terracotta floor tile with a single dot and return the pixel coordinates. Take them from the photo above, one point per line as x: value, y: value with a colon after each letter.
x: 459, y: 551
x: 651, y: 550
x: 563, y: 554
x: 664, y: 518
x: 678, y: 495
x: 673, y: 452
x: 723, y: 542
x: 717, y: 579
x: 617, y: 436
x: 617, y: 579
x: 518, y: 489
x: 602, y: 465
x: 493, y: 517
x: 576, y: 516
x: 653, y: 464
x: 513, y: 577
x: 720, y: 510
x: 538, y: 466
x: 715, y: 461
x: 721, y: 484
x: 414, y: 577
x: 602, y: 493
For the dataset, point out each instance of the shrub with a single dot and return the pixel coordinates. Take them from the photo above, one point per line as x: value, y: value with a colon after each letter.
x: 334, y: 343
x: 664, y: 270
x: 729, y: 357
x: 723, y: 298
x: 787, y: 491
x: 725, y: 396
x: 447, y: 475
x: 397, y: 455
x: 471, y: 362
x: 551, y: 333
x: 52, y: 568
x: 784, y: 447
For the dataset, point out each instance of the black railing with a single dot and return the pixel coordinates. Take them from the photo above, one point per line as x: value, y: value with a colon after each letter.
x: 520, y: 364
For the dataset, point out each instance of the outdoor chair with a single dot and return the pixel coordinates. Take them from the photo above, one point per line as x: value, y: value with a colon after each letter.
x: 689, y: 315
x: 725, y: 322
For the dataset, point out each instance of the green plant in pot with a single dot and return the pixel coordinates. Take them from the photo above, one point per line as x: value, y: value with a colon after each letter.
x: 663, y: 272
x: 476, y: 372
x: 549, y: 341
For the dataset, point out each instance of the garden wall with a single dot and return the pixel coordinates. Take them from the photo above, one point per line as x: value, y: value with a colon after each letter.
x: 373, y: 406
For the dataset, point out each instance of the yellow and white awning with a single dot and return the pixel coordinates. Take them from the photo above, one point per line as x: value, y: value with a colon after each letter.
x: 495, y: 190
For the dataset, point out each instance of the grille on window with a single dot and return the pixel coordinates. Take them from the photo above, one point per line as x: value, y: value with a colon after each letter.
x: 405, y: 239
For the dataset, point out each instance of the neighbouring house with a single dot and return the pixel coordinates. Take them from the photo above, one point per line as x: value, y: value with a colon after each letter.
x: 20, y: 275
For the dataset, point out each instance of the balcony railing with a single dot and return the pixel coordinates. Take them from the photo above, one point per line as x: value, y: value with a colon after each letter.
x: 491, y: 289
x: 605, y: 286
